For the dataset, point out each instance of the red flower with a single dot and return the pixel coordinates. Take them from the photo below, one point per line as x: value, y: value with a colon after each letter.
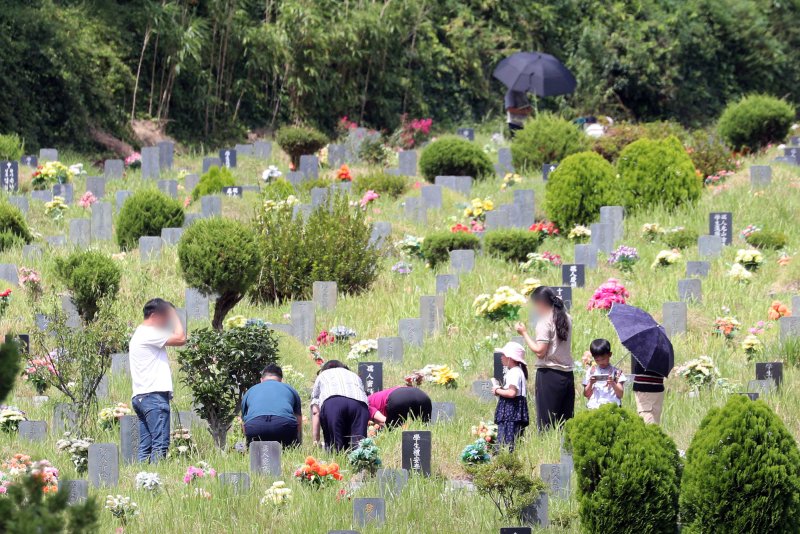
x: 5, y: 293
x: 460, y: 228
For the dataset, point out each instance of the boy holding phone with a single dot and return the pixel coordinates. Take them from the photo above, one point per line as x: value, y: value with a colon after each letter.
x: 603, y: 383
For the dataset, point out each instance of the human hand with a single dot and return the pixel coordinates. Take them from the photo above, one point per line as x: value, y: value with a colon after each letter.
x: 494, y: 390
x: 520, y: 328
x: 611, y: 379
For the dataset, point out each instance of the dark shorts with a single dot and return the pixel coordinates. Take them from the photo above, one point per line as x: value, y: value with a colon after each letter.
x: 272, y: 428
x: 405, y: 403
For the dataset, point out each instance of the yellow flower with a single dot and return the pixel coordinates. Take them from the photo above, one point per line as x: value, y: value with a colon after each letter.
x: 488, y: 205
x: 477, y: 212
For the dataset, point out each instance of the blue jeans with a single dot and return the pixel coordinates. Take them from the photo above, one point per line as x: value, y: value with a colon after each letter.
x: 152, y: 409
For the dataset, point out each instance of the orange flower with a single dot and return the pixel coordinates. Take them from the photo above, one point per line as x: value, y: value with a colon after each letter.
x: 784, y: 260
x: 322, y: 471
x: 334, y: 467
x: 778, y: 310
x: 337, y: 476
x: 310, y: 460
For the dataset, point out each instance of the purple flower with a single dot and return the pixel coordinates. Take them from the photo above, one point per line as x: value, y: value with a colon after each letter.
x: 401, y: 268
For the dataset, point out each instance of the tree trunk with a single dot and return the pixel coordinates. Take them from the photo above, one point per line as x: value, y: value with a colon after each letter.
x: 118, y: 146
x: 225, y: 303
x: 219, y: 433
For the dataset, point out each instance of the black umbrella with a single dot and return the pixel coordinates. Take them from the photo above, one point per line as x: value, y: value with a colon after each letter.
x: 646, y: 340
x: 535, y: 72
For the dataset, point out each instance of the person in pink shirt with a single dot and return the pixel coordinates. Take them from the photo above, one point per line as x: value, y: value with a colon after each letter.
x: 392, y: 406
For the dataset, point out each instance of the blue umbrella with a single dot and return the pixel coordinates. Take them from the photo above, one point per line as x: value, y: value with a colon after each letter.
x: 646, y: 340
x: 535, y: 72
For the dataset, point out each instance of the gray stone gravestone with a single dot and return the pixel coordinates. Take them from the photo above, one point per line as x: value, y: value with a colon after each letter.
x: 324, y: 295
x: 319, y: 196
x: 432, y: 196
x: 42, y: 196
x: 416, y: 451
x: 309, y: 165
x: 565, y: 294
x: 197, y: 304
x: 615, y: 216
x: 407, y: 160
x: 392, y: 481
x: 762, y: 387
x: 410, y: 331
x: 524, y: 213
x: 553, y: 476
x: 381, y: 230
x: 171, y: 236
x: 547, y: 168
x: 151, y: 165
x: 505, y: 160
x: 48, y: 154
x: 760, y: 175
x: 674, y: 318
x: 33, y: 430
x: 120, y: 197
x: 102, y: 388
x: 602, y: 237
x: 720, y: 224
x: 244, y: 149
x: 371, y: 374
x: 181, y: 313
x: 190, y: 181
x: 265, y: 458
x: 71, y: 311
x: 190, y: 218
x: 537, y: 513
x: 166, y: 154
x: 567, y: 462
x: 211, y: 205
x: 304, y: 321
x: 483, y: 390
x: 80, y: 232
x: 77, y: 490
x: 302, y: 210
x: 211, y: 162
x: 446, y: 282
x: 113, y: 168
x: 459, y: 184
x: 462, y: 261
x: 431, y: 311
x: 29, y: 160
x: 390, y: 349
x: 56, y: 240
x: 296, y: 178
x: 262, y: 149
x: 709, y: 246
x: 443, y: 412
x: 770, y: 371
x: 337, y: 155
x: 65, y: 417
x: 794, y: 140
x: 42, y: 322
x: 341, y: 188
x: 65, y: 191
x: 32, y: 252
x: 149, y: 248
x: 497, y: 218
x: 368, y: 510
x: 796, y: 305
x: 240, y: 482
x: 793, y: 153
x: 102, y: 222
x: 9, y: 273
x: 227, y: 157
x: 129, y: 438
x: 10, y: 176
x: 20, y: 202
x: 466, y: 133
x: 697, y: 268
x: 97, y: 185
x: 103, y: 464
x: 120, y: 364
x: 168, y: 187
x: 416, y: 210
x: 690, y: 289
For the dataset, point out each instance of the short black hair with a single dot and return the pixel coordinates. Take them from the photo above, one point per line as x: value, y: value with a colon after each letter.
x: 333, y: 364
x: 156, y: 306
x: 272, y: 369
x: 600, y: 347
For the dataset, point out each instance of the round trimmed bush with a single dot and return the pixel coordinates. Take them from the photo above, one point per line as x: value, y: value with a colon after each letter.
x: 578, y: 188
x: 299, y: 141
x: 384, y: 184
x: 710, y: 154
x: 755, y: 121
x: 91, y: 276
x: 657, y: 172
x: 220, y: 256
x: 617, y: 137
x: 682, y: 238
x: 213, y: 181
x: 146, y: 213
x: 742, y: 472
x: 454, y: 156
x: 511, y: 245
x: 12, y: 221
x: 437, y: 246
x: 618, y: 459
x: 767, y: 239
x: 279, y: 189
x: 546, y: 138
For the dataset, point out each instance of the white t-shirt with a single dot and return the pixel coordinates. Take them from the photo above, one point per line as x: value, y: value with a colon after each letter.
x: 515, y: 377
x: 602, y: 393
x: 148, y: 358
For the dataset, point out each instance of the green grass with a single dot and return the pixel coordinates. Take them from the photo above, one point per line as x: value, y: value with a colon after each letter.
x: 425, y: 505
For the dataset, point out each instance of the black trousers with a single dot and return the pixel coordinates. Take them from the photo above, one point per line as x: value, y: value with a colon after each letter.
x: 555, y: 397
x: 513, y: 129
x: 344, y: 422
x: 272, y: 428
x: 405, y: 403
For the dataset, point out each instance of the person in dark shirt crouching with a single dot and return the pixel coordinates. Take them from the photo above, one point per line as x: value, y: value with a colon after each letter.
x: 271, y: 410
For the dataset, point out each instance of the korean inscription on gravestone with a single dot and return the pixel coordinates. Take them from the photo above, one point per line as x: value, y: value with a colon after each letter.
x: 390, y: 349
x: 416, y: 450
x: 10, y: 181
x: 443, y: 411
x: 547, y: 168
x: 368, y: 510
x: 770, y: 371
x: 232, y: 191
x: 265, y: 458
x: 392, y: 481
x: 573, y: 275
x: 30, y: 161
x: 371, y: 374
x: 227, y: 157
x: 565, y: 294
x: 720, y: 224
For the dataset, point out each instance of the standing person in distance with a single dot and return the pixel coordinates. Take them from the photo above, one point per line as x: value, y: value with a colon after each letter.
x: 518, y: 108
x: 151, y: 376
x: 555, y: 382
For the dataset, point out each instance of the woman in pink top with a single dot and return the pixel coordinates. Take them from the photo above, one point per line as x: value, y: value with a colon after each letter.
x: 392, y: 406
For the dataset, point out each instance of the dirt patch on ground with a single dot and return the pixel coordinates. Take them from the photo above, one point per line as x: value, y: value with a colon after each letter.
x: 149, y: 133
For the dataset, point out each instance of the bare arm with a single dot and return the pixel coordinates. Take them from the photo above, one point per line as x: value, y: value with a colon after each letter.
x: 509, y: 393
x: 378, y: 417
x: 315, y: 426
x: 299, y: 418
x: 537, y: 347
x: 618, y: 388
x: 178, y: 337
x: 588, y: 389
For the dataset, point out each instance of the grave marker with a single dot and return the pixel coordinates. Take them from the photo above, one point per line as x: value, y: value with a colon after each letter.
x: 466, y: 133
x: 537, y: 513
x: 524, y: 208
x: 459, y: 184
x: 113, y: 168
x: 65, y: 417
x: 32, y: 252
x: 505, y: 160
x: 103, y: 464
x: 573, y: 275
x: 710, y: 246
x: 303, y: 321
x: 240, y: 482
x: 296, y: 178
x: 33, y: 430
x: 151, y: 165
x: 565, y: 294
x: 97, y: 185
x: 190, y: 181
x: 392, y: 481
x: 602, y: 237
x: 9, y: 273
x: 720, y: 224
x: 337, y: 155
x: 10, y: 177
x: 446, y: 282
x: 380, y: 231
x: 42, y: 196
x: 262, y: 149
x: 227, y: 157
x: 371, y: 374
x: 416, y: 451
x: 168, y: 187
x: 265, y: 458
x: 366, y: 511
x: 309, y: 166
x: 547, y: 168
x: 71, y: 311
x: 553, y: 476
x: 29, y: 161
x: 190, y: 219
x: 20, y: 202
x: 483, y: 390
x: 690, y: 289
x: 515, y: 530
x: 462, y: 261
x: 751, y: 396
x: 443, y: 412
x: 431, y: 311
x: 760, y: 175
x: 166, y: 153
x: 129, y: 438
x: 232, y: 191
x: 497, y: 218
x: 416, y: 210
x: 410, y: 331
x: 77, y: 490
x: 65, y: 191
x: 770, y: 371
x: 48, y: 154
x: 102, y: 222
x: 149, y: 248
x: 325, y: 295
x: 211, y: 162
x: 197, y: 304
x: 244, y: 149
x: 119, y: 364
x: 171, y: 236
x: 390, y: 349
x: 789, y: 327
x: 762, y: 387
x: 80, y: 232
x: 586, y: 255
x: 615, y: 216
x: 432, y: 196
x: 211, y: 206
x: 319, y: 196
x: 674, y: 318
x: 120, y: 197
x: 407, y: 162
x: 697, y: 268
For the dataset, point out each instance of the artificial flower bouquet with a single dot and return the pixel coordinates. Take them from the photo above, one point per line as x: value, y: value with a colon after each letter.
x: 317, y: 474
x: 504, y: 304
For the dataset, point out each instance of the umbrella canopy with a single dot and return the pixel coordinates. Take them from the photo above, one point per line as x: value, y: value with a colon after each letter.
x: 646, y: 340
x: 535, y: 72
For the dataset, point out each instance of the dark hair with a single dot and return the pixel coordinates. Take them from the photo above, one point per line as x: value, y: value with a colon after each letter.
x: 524, y: 369
x: 272, y: 370
x: 545, y: 295
x: 156, y: 305
x: 332, y: 364
x: 600, y: 347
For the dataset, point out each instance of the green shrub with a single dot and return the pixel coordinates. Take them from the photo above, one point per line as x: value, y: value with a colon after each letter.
x: 146, y: 213
x: 279, y: 189
x: 579, y: 186
x: 511, y: 245
x: 710, y: 154
x: 12, y: 147
x: 9, y: 241
x: 617, y: 137
x: 27, y: 506
x: 330, y: 245
x: 91, y: 276
x: 220, y: 256
x: 506, y: 483
x: 742, y: 472
x: 618, y: 459
x: 308, y: 185
x: 665, y: 129
x: 546, y: 138
x: 767, y: 239
x: 384, y: 184
x: 657, y: 172
x: 12, y: 221
x: 454, y: 156
x: 437, y: 246
x: 755, y: 121
x: 299, y: 141
x: 10, y: 363
x: 372, y: 151
x: 213, y: 181
x: 680, y: 238
x: 789, y: 351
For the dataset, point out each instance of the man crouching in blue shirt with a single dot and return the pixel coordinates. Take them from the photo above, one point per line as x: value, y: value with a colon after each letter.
x: 271, y: 410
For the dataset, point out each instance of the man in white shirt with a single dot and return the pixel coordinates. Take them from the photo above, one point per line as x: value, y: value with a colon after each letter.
x: 151, y: 376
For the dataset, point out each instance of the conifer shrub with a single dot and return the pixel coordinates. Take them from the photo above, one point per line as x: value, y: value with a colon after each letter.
x: 299, y: 141
x: 454, y: 156
x: 742, y: 472
x: 767, y: 239
x: 146, y: 213
x: 437, y: 246
x: 512, y: 245
x: 12, y: 221
x: 680, y: 238
x: 279, y: 189
x: 91, y: 277
x: 383, y: 183
x: 755, y: 121
x: 213, y: 181
x: 546, y: 138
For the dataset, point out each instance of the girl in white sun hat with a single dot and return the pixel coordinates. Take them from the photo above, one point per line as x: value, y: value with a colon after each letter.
x: 511, y: 415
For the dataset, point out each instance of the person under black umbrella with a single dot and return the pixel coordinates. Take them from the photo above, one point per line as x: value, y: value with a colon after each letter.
x: 518, y: 108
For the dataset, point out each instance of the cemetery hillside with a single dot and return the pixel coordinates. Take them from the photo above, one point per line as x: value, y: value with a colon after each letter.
x: 575, y: 309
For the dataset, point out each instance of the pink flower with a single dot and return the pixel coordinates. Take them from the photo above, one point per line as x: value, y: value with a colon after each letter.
x: 187, y: 201
x: 87, y: 200
x: 607, y: 294
x: 368, y: 197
